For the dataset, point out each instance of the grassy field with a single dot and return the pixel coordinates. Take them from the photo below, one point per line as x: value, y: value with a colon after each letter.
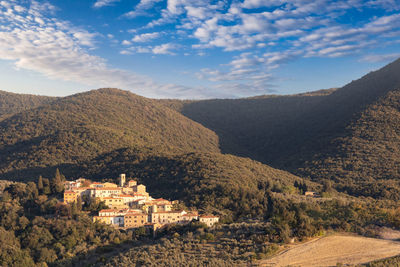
x: 331, y: 250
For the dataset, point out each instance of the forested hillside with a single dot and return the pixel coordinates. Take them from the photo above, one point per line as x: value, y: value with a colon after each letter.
x: 83, y: 126
x: 11, y: 103
x: 348, y: 135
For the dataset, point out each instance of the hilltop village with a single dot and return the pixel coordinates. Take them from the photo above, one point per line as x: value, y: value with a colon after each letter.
x: 130, y: 205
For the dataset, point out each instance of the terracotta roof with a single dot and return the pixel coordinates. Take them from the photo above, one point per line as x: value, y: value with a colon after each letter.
x: 69, y: 192
x: 137, y: 213
x: 160, y: 199
x: 126, y: 196
x: 111, y: 210
x: 171, y: 211
x: 108, y: 188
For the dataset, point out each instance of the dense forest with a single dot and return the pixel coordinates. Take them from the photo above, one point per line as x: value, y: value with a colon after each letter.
x: 83, y: 126
x: 11, y: 103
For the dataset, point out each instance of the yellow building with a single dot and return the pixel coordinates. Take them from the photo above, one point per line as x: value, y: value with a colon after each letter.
x: 132, y: 183
x: 110, y: 185
x: 141, y: 189
x: 166, y: 217
x: 114, y: 202
x: 134, y: 220
x: 70, y: 197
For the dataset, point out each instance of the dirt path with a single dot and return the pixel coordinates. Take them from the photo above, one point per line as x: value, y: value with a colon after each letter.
x: 330, y: 250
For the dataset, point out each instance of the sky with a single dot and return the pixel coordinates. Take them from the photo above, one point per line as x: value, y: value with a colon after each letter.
x: 193, y: 49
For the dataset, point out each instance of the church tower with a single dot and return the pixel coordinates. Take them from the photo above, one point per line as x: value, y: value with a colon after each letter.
x: 122, y: 178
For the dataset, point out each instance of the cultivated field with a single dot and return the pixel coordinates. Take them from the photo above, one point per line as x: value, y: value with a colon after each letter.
x: 330, y: 250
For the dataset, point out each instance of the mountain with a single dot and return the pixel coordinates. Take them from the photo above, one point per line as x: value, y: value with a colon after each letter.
x: 82, y: 126
x: 349, y: 134
x: 11, y: 103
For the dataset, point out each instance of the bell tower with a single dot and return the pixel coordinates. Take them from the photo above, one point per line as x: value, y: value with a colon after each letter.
x: 122, y: 179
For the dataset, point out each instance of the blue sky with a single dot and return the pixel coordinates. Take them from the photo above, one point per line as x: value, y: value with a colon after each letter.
x: 193, y: 49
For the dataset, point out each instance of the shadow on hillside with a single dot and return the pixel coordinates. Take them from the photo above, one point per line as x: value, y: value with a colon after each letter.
x: 32, y: 174
x: 288, y: 131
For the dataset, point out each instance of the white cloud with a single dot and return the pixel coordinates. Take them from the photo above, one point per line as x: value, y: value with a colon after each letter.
x: 141, y: 8
x: 145, y: 37
x: 164, y: 49
x: 305, y: 28
x: 103, y: 3
x: 373, y: 58
x: 55, y: 50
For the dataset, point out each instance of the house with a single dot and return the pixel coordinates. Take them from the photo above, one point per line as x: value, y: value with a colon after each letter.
x: 134, y: 220
x: 84, y: 191
x: 166, y: 217
x: 117, y: 220
x: 209, y: 220
x: 70, y: 197
x: 141, y: 189
x: 114, y: 202
x: 127, y: 199
x: 132, y: 183
x: 106, y: 192
x: 127, y: 190
x: 156, y: 205
x: 115, y: 212
x: 110, y: 185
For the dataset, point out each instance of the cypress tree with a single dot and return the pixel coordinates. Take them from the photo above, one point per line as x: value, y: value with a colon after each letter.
x: 40, y: 184
x: 57, y: 185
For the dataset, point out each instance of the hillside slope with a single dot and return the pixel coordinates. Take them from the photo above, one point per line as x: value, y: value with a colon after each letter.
x: 210, y: 181
x: 314, y: 135
x: 80, y: 127
x: 11, y: 103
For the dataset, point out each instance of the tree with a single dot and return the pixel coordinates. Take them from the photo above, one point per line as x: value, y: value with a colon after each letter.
x: 40, y: 184
x: 6, y: 197
x: 327, y: 186
x: 46, y: 186
x: 32, y: 191
x: 23, y: 222
x: 57, y: 185
x: 79, y: 203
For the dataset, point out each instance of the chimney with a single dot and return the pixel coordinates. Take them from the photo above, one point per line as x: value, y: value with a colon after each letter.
x: 122, y: 178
